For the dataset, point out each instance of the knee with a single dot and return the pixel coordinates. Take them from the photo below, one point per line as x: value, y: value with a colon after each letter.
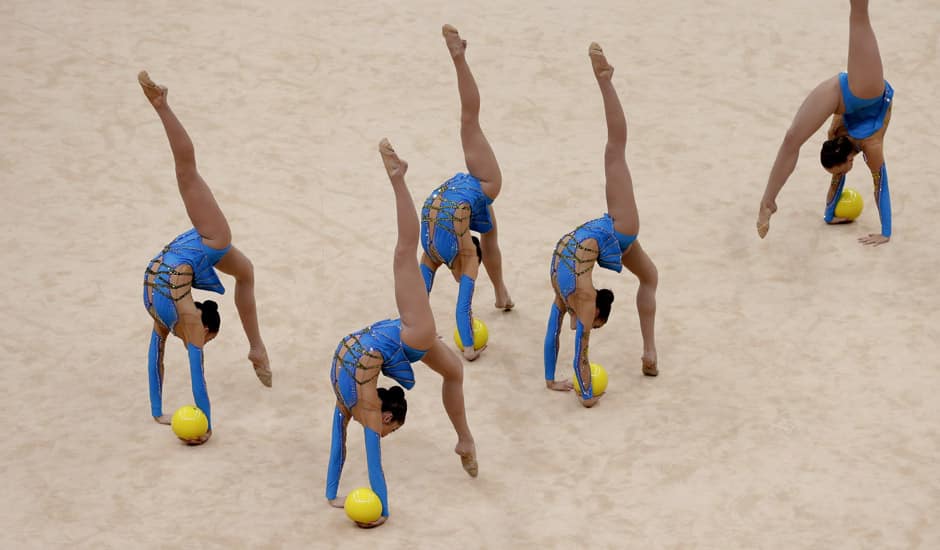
x: 246, y: 274
x: 650, y: 278
x: 186, y: 173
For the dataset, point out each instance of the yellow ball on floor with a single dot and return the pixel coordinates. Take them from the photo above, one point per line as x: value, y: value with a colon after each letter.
x: 598, y: 380
x: 850, y: 204
x: 189, y: 422
x: 363, y: 505
x: 480, y: 335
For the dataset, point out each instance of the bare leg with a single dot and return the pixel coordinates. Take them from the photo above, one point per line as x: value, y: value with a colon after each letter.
x: 201, y: 207
x: 493, y: 262
x: 866, y: 73
x: 445, y: 362
x: 481, y: 162
x: 417, y: 321
x: 236, y: 264
x: 621, y: 204
x: 639, y: 263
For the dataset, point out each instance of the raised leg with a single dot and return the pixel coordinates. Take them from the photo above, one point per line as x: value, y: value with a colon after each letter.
x: 639, y: 263
x: 481, y: 162
x: 866, y: 73
x: 417, y: 321
x: 445, y: 362
x: 493, y: 263
x: 621, y: 204
x: 203, y: 211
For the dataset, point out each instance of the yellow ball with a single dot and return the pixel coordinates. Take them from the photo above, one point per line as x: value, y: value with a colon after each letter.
x: 363, y: 505
x: 850, y: 204
x: 189, y: 422
x: 598, y: 380
x: 480, y: 335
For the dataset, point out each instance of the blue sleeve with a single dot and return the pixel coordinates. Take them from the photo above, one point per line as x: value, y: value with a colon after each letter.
x: 337, y: 454
x: 464, y: 314
x: 154, y: 358
x: 551, y: 342
x: 884, y: 202
x: 580, y: 346
x: 374, y: 460
x: 831, y: 205
x: 428, y: 275
x: 198, y: 375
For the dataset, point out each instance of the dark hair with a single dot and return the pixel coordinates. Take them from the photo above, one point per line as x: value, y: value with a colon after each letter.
x: 476, y: 243
x: 393, y: 401
x: 836, y: 151
x: 210, y: 315
x: 605, y: 297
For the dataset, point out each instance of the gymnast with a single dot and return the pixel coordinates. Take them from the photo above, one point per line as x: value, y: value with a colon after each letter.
x: 609, y: 241
x: 860, y: 104
x: 463, y: 204
x: 189, y: 262
x: 389, y: 347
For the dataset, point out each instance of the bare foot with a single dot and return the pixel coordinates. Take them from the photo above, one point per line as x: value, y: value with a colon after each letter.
x: 163, y: 419
x: 837, y: 221
x: 559, y: 385
x: 503, y: 301
x: 468, y: 457
x: 395, y: 166
x: 259, y: 360
x: 649, y: 365
x: 155, y: 94
x: 455, y: 44
x: 588, y: 403
x: 602, y: 69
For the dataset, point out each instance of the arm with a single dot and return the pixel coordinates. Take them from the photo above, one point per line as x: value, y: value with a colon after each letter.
x: 879, y: 174
x: 552, y: 332
x: 337, y: 457
x: 193, y: 334
x: 155, y: 372
x: 585, y: 305
x: 238, y: 265
x: 822, y: 102
x: 470, y: 269
x: 368, y: 411
x: 836, y: 128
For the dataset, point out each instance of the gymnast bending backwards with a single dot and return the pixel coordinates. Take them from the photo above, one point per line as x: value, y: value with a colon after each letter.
x: 389, y: 347
x: 189, y: 262
x: 462, y: 204
x: 609, y: 241
x: 859, y: 102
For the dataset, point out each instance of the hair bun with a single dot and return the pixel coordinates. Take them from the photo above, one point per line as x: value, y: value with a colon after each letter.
x: 396, y: 391
x: 210, y: 305
x: 381, y: 392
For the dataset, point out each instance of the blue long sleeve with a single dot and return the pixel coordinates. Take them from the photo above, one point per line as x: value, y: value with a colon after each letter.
x: 337, y: 454
x: 198, y: 375
x: 376, y: 475
x: 884, y: 202
x: 552, y: 331
x: 464, y: 313
x: 831, y: 205
x: 154, y: 358
x: 580, y: 347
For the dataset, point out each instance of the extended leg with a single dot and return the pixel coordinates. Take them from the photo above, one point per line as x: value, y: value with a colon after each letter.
x: 639, y: 263
x: 203, y: 211
x: 866, y: 73
x: 493, y: 263
x: 417, y: 321
x: 445, y: 362
x: 481, y: 162
x: 621, y: 204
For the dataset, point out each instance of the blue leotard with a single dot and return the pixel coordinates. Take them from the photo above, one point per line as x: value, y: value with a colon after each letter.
x: 864, y: 117
x: 383, y: 338
x: 187, y: 249
x: 460, y: 190
x: 611, y: 244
